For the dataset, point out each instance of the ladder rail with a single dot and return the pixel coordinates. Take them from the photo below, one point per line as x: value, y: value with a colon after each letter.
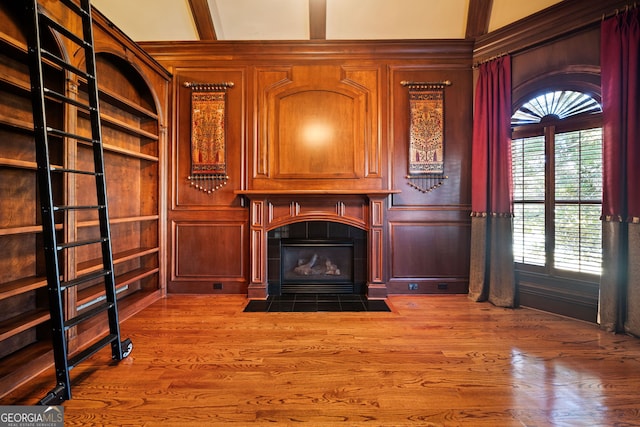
x: 98, y: 154
x: 46, y: 202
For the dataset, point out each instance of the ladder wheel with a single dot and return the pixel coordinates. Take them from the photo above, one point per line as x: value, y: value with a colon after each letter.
x: 128, y: 346
x: 54, y: 397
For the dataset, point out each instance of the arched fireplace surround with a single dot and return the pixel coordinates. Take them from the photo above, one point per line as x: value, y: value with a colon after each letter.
x: 272, y: 209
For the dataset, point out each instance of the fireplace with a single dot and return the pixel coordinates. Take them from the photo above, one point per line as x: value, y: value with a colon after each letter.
x: 316, y: 266
x: 317, y: 257
x: 277, y: 214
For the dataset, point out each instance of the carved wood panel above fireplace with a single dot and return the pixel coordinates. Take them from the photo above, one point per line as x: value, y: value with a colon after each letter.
x: 318, y: 128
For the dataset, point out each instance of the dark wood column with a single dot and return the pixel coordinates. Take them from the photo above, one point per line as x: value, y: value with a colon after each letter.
x: 258, y: 287
x: 377, y: 247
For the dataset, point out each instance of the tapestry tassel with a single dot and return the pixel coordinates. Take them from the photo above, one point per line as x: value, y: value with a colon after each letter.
x: 208, y: 183
x: 426, y: 183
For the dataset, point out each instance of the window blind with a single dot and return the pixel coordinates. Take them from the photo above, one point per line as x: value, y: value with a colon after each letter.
x: 578, y: 199
x: 528, y: 168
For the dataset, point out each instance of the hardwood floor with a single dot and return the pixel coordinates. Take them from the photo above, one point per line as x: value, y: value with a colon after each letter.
x: 432, y: 361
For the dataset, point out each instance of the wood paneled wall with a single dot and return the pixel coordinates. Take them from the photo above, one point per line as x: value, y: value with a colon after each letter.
x: 351, y: 93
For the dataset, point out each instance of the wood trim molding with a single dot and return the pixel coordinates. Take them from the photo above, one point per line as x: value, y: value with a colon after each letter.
x: 562, y: 18
x: 318, y: 19
x: 446, y: 52
x: 202, y: 17
x: 478, y: 18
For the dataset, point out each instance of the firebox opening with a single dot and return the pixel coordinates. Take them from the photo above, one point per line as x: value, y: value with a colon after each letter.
x: 316, y: 266
x: 319, y: 257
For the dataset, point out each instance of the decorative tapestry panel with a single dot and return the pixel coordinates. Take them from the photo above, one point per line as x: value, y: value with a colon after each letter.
x: 426, y: 133
x: 208, y: 136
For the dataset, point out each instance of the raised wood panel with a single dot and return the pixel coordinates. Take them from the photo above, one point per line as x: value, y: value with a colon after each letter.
x: 315, y: 135
x: 267, y: 80
x: 317, y: 125
x: 423, y: 250
x: 208, y: 250
x: 369, y: 78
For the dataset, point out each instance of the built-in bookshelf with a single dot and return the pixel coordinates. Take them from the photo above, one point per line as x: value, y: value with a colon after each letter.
x: 132, y: 139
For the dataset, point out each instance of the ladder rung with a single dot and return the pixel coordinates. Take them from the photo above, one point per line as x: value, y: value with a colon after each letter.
x: 77, y: 207
x: 87, y: 315
x: 64, y: 31
x: 90, y: 351
x: 59, y: 132
x: 81, y: 243
x: 83, y: 279
x: 77, y: 9
x: 64, y: 64
x: 61, y: 97
x: 66, y: 170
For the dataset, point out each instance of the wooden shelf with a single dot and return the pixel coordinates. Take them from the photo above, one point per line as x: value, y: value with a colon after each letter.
x: 127, y: 307
x: 27, y: 229
x: 91, y: 293
x: 18, y: 124
x: 18, y: 164
x: 126, y: 152
x: 21, y: 164
x: 125, y: 104
x: 118, y: 258
x: 126, y: 127
x: 123, y: 126
x: 130, y: 153
x: 18, y: 48
x: 113, y: 221
x: 119, y: 101
x: 21, y: 286
x: 15, y: 325
x: 12, y: 45
x: 15, y: 372
x: 15, y: 84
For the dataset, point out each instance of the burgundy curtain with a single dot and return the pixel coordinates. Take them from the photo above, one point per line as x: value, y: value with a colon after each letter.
x: 620, y: 68
x: 491, y: 275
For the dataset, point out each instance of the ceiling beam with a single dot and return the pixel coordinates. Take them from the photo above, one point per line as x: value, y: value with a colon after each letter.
x: 202, y: 17
x: 318, y: 19
x: 478, y: 18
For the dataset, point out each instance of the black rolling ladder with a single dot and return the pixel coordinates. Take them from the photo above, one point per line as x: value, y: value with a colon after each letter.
x: 40, y: 23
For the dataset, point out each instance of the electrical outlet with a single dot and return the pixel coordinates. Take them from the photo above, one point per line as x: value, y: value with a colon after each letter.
x: 217, y: 286
x: 413, y: 286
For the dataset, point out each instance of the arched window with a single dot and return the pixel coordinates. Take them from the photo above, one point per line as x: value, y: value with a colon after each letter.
x: 557, y: 175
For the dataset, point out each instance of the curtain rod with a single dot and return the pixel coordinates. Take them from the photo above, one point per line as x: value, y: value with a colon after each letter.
x: 484, y: 61
x: 617, y: 11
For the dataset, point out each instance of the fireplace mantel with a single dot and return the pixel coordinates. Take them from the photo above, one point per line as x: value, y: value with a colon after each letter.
x: 259, y: 193
x: 364, y: 209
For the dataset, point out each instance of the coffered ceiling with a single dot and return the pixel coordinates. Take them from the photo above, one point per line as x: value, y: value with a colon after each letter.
x: 166, y: 20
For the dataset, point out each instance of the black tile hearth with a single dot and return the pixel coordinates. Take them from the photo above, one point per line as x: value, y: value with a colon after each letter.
x: 316, y: 303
